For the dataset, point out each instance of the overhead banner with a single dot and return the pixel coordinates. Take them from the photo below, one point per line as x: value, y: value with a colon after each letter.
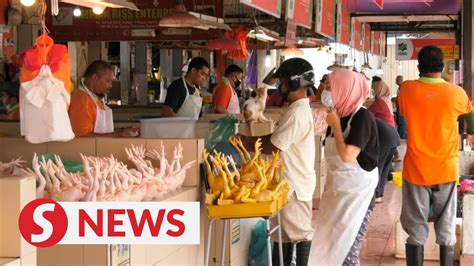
x: 272, y: 7
x: 379, y: 3
x: 290, y: 39
x: 408, y: 49
x: 300, y: 11
x: 383, y: 44
x: 366, y: 34
x: 375, y: 42
x: 356, y: 33
x: 325, y: 18
x: 343, y: 23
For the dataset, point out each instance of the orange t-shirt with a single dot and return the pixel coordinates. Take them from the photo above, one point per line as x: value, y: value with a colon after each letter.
x: 83, y: 113
x: 431, y: 108
x: 222, y: 94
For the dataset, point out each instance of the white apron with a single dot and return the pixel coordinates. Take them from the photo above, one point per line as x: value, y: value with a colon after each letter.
x: 104, y: 121
x: 344, y: 203
x: 234, y: 107
x: 192, y: 105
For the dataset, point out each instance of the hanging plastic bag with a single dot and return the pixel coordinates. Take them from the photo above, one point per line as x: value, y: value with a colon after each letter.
x: 258, y: 245
x: 220, y: 133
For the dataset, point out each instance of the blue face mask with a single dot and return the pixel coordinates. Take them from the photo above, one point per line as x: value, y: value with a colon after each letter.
x: 326, y: 98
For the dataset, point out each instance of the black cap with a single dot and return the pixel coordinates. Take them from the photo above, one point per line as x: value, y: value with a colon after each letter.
x: 293, y: 67
x: 11, y: 88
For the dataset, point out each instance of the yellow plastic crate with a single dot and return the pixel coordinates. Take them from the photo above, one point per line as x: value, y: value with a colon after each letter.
x: 247, y: 210
x: 397, y: 179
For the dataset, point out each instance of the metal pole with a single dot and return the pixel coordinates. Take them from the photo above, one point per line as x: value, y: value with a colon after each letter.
x: 224, y: 234
x: 280, y: 244
x: 208, y: 247
x: 269, y: 243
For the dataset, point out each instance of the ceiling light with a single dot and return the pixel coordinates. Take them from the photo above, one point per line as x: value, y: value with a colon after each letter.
x: 268, y: 60
x: 77, y: 12
x: 98, y: 10
x: 103, y: 4
x: 223, y: 42
x: 263, y: 34
x: 292, y: 52
x: 27, y: 2
x: 180, y: 18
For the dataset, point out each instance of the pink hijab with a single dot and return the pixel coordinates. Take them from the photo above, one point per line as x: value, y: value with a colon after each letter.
x: 349, y: 90
x: 382, y: 91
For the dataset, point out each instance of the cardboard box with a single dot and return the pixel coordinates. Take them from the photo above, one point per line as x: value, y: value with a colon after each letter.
x: 10, y: 262
x: 15, y: 193
x: 259, y: 129
x: 18, y: 147
x: 72, y: 150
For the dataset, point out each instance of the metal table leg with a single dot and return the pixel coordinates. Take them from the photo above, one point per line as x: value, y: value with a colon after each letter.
x: 280, y: 244
x: 209, y: 235
x: 269, y: 243
x: 224, y: 235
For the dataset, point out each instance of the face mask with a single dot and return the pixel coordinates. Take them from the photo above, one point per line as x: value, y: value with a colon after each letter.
x: 326, y: 98
x: 237, y: 83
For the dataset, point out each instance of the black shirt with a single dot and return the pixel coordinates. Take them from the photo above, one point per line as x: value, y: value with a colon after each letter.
x: 388, y: 135
x: 363, y: 134
x: 176, y: 94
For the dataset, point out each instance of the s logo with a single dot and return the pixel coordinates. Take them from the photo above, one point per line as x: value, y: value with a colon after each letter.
x: 43, y: 222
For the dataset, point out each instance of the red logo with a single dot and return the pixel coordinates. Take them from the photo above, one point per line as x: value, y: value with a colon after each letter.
x: 43, y: 222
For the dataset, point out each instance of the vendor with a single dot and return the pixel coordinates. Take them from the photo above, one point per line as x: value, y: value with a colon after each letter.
x: 224, y: 98
x: 88, y: 112
x: 183, y: 98
x: 9, y: 93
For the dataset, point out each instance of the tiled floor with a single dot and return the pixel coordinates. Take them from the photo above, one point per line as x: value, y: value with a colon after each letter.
x: 379, y: 244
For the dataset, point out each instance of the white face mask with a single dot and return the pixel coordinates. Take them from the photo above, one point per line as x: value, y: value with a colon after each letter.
x: 326, y: 98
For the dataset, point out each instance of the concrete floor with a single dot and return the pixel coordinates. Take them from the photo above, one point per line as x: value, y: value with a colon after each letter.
x: 379, y: 244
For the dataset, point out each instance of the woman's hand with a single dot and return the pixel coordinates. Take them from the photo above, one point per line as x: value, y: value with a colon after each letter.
x: 333, y: 119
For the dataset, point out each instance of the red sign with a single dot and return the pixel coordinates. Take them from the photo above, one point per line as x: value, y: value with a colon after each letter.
x: 325, y: 18
x: 343, y: 22
x: 379, y: 3
x: 376, y: 42
x: 366, y: 28
x: 383, y: 43
x: 121, y: 24
x: 408, y: 49
x: 300, y: 11
x: 272, y: 7
x: 355, y: 33
x: 290, y: 39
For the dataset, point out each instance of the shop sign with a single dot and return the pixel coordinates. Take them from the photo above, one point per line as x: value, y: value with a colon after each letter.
x: 272, y: 7
x: 408, y: 49
x: 356, y: 33
x: 45, y: 222
x: 325, y: 18
x: 375, y: 43
x: 383, y: 43
x: 343, y: 22
x: 119, y: 24
x: 367, y: 35
x: 290, y: 39
x: 300, y: 11
x: 379, y: 3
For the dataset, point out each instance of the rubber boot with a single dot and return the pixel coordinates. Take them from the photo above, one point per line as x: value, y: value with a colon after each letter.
x: 446, y: 255
x: 287, y: 254
x: 302, y: 253
x: 414, y: 255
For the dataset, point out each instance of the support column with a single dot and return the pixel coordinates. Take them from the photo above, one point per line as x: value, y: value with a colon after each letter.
x: 467, y: 45
x: 124, y: 72
x: 140, y: 74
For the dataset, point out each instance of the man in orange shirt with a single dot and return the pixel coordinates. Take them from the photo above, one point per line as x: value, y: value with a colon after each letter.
x: 431, y: 108
x: 224, y: 97
x: 87, y: 111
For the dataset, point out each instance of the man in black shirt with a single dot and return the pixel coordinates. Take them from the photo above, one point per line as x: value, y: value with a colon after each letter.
x: 183, y: 97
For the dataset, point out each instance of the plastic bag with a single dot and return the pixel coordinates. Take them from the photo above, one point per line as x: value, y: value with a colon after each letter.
x: 69, y: 166
x: 258, y: 245
x: 221, y: 131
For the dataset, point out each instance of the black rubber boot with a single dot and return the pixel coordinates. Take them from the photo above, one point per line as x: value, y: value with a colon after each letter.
x: 302, y: 253
x: 414, y: 255
x: 446, y: 255
x: 287, y: 254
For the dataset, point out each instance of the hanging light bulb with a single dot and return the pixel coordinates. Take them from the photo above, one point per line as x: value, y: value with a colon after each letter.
x: 268, y: 60
x: 27, y: 2
x: 98, y: 10
x: 77, y: 12
x: 293, y: 51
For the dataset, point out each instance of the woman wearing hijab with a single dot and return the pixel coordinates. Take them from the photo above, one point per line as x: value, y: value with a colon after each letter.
x: 351, y: 152
x: 382, y: 106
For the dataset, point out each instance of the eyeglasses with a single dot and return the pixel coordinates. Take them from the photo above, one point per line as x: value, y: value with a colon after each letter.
x: 307, y: 77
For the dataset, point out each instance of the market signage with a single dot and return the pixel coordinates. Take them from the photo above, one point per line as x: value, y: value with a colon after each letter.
x: 343, y: 22
x: 408, y: 49
x: 325, y: 18
x: 383, y: 43
x: 376, y: 43
x: 356, y: 33
x: 290, y: 39
x: 117, y: 24
x: 300, y: 11
x: 379, y: 3
x: 367, y: 35
x: 272, y: 7
x: 45, y: 222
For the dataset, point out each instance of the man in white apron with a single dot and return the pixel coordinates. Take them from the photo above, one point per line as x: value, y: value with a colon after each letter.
x: 88, y: 112
x: 351, y: 151
x: 183, y: 98
x: 224, y: 98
